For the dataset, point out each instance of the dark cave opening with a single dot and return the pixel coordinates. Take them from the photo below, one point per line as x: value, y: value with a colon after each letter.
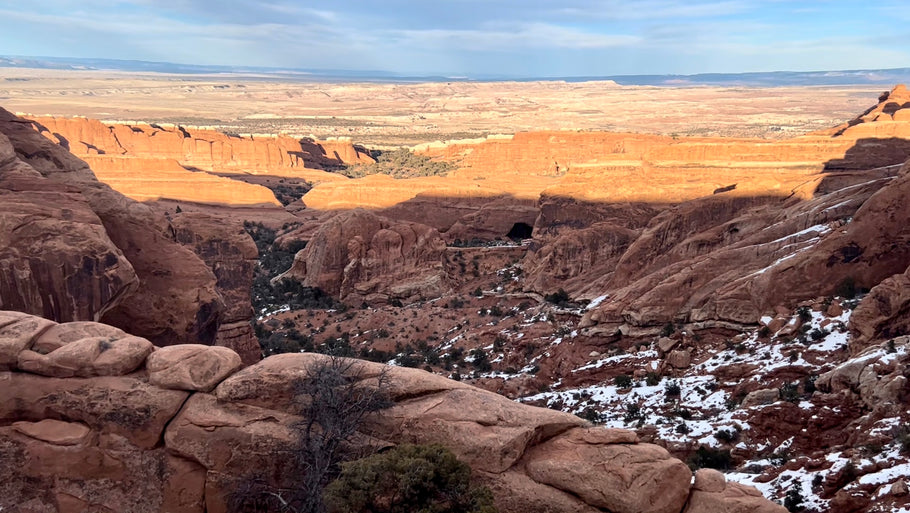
x: 520, y: 231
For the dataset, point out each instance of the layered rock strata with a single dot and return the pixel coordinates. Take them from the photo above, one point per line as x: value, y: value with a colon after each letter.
x: 149, y: 162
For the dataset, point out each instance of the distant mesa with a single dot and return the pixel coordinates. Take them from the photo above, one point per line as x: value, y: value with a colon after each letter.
x: 148, y: 162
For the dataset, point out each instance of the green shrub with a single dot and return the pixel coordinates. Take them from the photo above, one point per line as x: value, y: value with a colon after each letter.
x: 706, y: 457
x: 727, y: 436
x: 591, y: 415
x: 405, y: 479
x: 481, y: 360
x: 818, y: 334
x: 559, y: 298
x: 633, y: 412
x: 652, y: 379
x: 789, y: 392
x: 809, y: 384
x: 623, y: 381
x: 903, y: 439
x: 780, y: 458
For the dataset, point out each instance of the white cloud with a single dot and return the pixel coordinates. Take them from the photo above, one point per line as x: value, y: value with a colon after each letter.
x: 524, y: 37
x: 530, y: 35
x: 654, y: 10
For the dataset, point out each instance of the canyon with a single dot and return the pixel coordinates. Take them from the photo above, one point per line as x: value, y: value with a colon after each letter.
x: 735, y: 302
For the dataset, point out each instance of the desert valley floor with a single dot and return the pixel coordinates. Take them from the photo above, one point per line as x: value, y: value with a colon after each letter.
x: 718, y: 275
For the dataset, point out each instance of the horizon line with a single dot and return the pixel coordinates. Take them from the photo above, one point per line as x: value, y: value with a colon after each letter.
x: 97, y: 64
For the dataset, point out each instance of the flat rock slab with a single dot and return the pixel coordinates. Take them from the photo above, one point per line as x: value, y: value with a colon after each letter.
x: 622, y: 478
x: 734, y: 498
x: 120, y: 405
x: 54, y: 432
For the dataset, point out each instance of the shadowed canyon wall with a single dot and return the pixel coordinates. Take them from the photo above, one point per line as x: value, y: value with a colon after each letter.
x: 76, y: 250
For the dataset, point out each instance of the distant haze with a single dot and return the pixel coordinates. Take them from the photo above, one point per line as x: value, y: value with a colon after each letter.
x: 758, y: 79
x: 472, y: 38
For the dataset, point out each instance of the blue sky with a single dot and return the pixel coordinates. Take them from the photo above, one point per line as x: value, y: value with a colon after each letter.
x: 529, y: 38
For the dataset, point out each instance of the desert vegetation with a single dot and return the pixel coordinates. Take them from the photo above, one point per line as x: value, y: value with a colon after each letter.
x: 408, y: 478
x: 323, y: 472
x: 400, y: 163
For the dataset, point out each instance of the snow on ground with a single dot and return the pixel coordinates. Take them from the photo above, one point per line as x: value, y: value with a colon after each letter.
x: 596, y: 302
x: 695, y: 409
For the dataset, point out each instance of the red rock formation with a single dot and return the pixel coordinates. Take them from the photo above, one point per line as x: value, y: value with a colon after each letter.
x: 200, y: 148
x: 457, y: 208
x: 149, y: 162
x: 231, y: 255
x: 118, y: 443
x: 359, y: 256
x: 56, y: 258
x: 177, y: 301
x: 884, y: 313
x: 735, y: 259
x: 887, y: 119
x: 146, y: 179
x: 78, y: 250
x: 579, y: 178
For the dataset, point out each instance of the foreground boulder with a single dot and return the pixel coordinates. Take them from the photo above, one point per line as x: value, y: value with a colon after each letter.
x: 121, y: 443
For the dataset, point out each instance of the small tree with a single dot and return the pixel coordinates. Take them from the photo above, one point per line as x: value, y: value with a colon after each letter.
x: 408, y: 478
x: 558, y: 298
x: 334, y: 398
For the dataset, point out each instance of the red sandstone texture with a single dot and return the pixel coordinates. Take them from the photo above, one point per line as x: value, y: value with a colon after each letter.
x: 687, y: 230
x: 199, y: 148
x: 148, y: 162
x: 74, y: 249
x: 755, y: 230
x: 169, y: 431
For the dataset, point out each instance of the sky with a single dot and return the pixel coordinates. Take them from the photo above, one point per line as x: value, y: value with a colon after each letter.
x: 471, y: 38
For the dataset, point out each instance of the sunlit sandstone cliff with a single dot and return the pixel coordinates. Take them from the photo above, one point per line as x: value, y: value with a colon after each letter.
x: 688, y: 230
x: 639, y: 215
x: 612, y: 168
x: 149, y: 179
x: 148, y: 162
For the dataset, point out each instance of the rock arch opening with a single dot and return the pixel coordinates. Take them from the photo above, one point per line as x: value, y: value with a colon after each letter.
x: 520, y: 231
